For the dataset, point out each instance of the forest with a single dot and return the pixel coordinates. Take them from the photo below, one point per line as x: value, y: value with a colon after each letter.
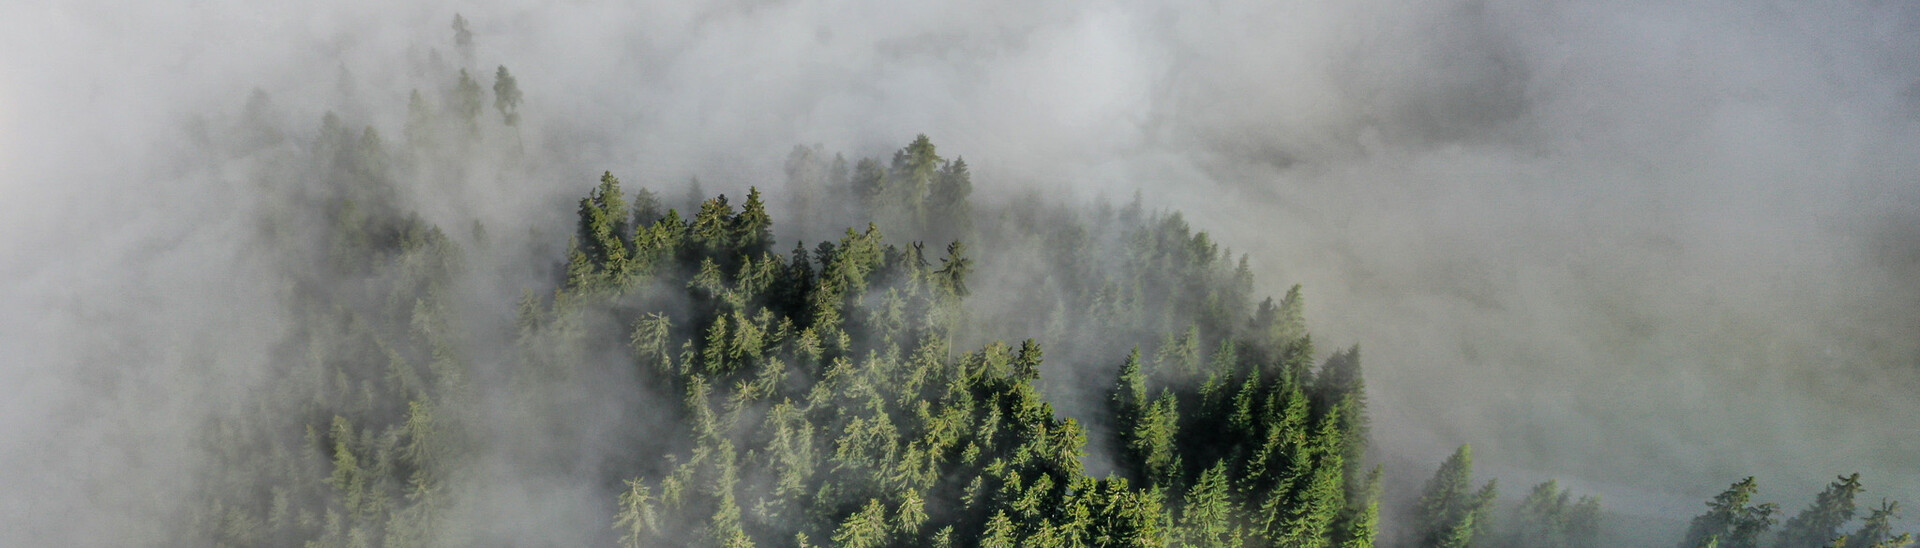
x: 943, y: 371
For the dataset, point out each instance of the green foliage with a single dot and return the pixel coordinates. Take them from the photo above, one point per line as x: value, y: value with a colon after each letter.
x: 1451, y: 514
x: 845, y: 392
x: 466, y: 99
x: 849, y: 391
x: 1549, y: 517
x: 1877, y: 530
x: 1731, y: 521
x: 1820, y: 522
x: 881, y: 436
x: 506, y: 96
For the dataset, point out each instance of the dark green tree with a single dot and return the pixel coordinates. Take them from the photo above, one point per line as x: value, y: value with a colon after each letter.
x: 506, y: 96
x: 1876, y: 531
x: 1731, y: 521
x: 466, y: 99
x: 1451, y: 514
x: 753, y: 229
x: 949, y: 213
x: 462, y: 37
x: 1549, y: 517
x: 1820, y: 522
x: 603, y: 231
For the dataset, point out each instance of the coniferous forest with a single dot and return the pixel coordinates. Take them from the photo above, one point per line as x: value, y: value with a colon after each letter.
x: 942, y: 371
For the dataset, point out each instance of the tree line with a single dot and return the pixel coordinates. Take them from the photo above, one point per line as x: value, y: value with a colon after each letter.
x: 939, y: 373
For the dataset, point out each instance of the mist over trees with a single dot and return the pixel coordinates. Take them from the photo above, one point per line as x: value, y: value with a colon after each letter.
x: 859, y: 391
x: 940, y: 371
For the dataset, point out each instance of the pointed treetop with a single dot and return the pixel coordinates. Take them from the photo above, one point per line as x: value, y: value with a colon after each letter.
x: 506, y: 95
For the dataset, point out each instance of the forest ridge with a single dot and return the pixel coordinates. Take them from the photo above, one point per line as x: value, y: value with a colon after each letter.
x: 853, y: 392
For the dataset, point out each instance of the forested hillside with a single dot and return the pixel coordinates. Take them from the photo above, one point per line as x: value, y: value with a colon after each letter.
x: 944, y: 372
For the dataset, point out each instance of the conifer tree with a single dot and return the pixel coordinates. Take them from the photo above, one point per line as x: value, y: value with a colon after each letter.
x: 949, y: 214
x: 864, y: 529
x: 1362, y: 523
x: 869, y: 183
x: 914, y: 171
x: 753, y: 229
x: 1449, y: 513
x: 603, y: 228
x: 954, y: 269
x: 1207, y: 518
x: 506, y: 96
x: 1730, y: 522
x: 462, y: 37
x: 1820, y: 522
x: 1549, y: 517
x: 1877, y: 529
x: 646, y: 208
x: 466, y: 99
x: 713, y: 231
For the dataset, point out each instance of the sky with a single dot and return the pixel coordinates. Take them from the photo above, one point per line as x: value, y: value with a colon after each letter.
x: 1646, y: 247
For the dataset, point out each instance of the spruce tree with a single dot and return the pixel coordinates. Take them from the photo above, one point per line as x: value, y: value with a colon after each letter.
x: 949, y: 214
x: 1730, y: 522
x: 462, y: 37
x: 1450, y: 514
x: 506, y: 96
x: 1877, y: 529
x: 753, y: 229
x: 466, y: 99
x: 1820, y: 522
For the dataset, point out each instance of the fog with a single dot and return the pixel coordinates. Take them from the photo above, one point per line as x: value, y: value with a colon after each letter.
x: 1647, y: 248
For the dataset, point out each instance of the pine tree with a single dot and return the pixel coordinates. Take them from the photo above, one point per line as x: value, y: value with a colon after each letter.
x: 636, y: 520
x: 954, y: 269
x: 914, y: 170
x: 646, y: 208
x: 1127, y: 404
x: 1207, y: 518
x: 462, y: 37
x: 950, y: 215
x: 869, y: 184
x: 806, y: 171
x: 506, y: 96
x: 713, y: 230
x: 603, y: 229
x: 1549, y: 517
x: 864, y: 529
x: 466, y: 99
x: 1820, y: 522
x: 1877, y: 529
x: 1730, y: 521
x: 1362, y: 524
x: 1448, y: 514
x: 753, y: 229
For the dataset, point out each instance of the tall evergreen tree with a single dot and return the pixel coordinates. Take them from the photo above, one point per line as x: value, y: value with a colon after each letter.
x: 1820, y: 522
x: 1549, y: 517
x: 949, y: 213
x: 466, y: 99
x: 1876, y: 530
x: 1730, y: 521
x: 506, y: 96
x: 753, y: 229
x: 462, y: 37
x: 1450, y: 513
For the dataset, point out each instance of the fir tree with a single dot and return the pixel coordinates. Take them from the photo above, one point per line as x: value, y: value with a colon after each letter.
x: 1877, y: 529
x: 1730, y: 521
x: 1820, y: 522
x: 466, y: 99
x: 506, y: 96
x: 1450, y: 514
